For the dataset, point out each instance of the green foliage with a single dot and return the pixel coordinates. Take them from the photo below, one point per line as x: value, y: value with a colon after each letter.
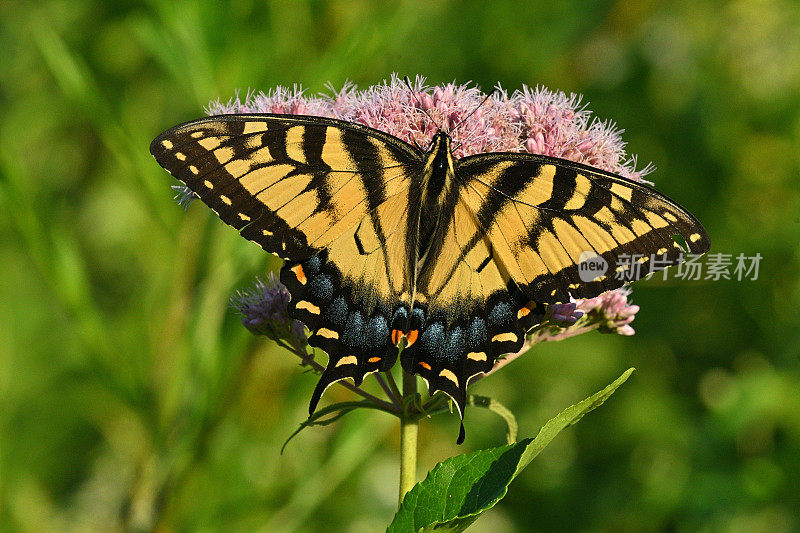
x: 458, y: 490
x: 132, y: 397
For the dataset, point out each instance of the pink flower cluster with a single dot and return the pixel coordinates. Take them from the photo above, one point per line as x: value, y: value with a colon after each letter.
x: 612, y: 311
x: 537, y: 120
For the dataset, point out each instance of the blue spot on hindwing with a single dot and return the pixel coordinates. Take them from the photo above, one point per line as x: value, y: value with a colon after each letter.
x: 501, y: 316
x: 337, y: 313
x: 400, y: 318
x: 354, y: 331
x: 321, y: 288
x: 312, y: 265
x: 377, y: 331
x: 477, y: 335
x: 454, y: 346
x: 431, y: 341
x: 417, y: 319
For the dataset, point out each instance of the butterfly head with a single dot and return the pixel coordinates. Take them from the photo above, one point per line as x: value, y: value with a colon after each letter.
x: 439, y: 154
x: 441, y: 142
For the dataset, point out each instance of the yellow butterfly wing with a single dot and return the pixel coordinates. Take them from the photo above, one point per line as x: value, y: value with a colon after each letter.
x: 516, y: 232
x: 329, y: 197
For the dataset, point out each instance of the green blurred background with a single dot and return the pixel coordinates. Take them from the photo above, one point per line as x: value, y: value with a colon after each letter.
x: 132, y: 398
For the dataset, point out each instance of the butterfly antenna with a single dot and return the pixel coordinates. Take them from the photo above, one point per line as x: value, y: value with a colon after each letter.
x: 414, y: 96
x: 463, y: 120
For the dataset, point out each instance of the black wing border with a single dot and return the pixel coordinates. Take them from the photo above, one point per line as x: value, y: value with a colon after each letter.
x: 300, y: 120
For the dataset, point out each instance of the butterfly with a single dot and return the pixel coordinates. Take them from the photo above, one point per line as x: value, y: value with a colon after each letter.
x: 388, y: 244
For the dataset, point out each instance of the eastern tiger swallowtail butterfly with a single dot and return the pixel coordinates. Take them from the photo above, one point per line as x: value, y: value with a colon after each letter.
x: 385, y: 241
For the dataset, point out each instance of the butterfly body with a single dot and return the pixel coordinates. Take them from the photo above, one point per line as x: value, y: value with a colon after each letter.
x: 385, y: 242
x: 437, y: 175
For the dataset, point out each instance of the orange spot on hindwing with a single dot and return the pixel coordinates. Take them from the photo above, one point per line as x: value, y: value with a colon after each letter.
x: 300, y: 274
x: 411, y: 337
x: 374, y: 359
x: 424, y: 365
x: 396, y: 336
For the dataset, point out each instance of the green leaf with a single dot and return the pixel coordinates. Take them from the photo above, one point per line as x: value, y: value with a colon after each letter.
x: 457, y: 491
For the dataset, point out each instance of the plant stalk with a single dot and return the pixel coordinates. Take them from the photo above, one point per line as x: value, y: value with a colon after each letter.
x: 409, y: 425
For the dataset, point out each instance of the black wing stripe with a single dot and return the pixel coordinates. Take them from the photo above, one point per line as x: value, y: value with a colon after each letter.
x: 554, y: 274
x: 496, y: 200
x: 687, y: 222
x: 326, y: 235
x: 638, y: 210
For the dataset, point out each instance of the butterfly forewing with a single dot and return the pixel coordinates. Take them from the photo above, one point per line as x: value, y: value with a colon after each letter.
x: 291, y: 184
x: 545, y: 216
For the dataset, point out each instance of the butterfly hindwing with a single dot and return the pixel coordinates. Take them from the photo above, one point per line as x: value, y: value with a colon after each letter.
x: 470, y: 306
x: 349, y: 294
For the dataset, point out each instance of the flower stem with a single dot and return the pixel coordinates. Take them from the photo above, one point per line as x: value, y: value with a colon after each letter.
x: 395, y: 398
x: 393, y: 385
x: 409, y: 424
